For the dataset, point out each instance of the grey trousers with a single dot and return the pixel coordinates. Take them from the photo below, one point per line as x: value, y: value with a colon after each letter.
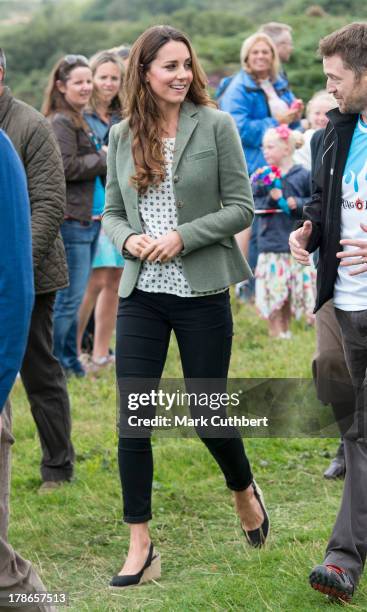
x: 16, y: 574
x: 347, y: 547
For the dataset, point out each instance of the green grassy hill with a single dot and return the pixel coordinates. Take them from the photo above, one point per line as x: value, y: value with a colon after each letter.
x: 58, y: 27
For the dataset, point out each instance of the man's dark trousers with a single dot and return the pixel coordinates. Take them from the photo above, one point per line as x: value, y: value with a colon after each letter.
x: 347, y: 547
x: 45, y: 384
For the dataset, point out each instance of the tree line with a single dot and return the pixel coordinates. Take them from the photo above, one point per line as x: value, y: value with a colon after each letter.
x: 66, y: 27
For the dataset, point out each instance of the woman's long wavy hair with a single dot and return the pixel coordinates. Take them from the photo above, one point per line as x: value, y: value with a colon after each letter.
x: 54, y: 101
x: 247, y: 45
x: 97, y: 60
x: 141, y: 107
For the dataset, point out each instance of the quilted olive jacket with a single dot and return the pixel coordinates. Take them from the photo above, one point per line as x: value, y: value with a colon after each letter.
x: 34, y: 141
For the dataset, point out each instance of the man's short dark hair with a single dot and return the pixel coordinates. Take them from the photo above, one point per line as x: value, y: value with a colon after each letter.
x: 350, y: 43
x: 2, y: 60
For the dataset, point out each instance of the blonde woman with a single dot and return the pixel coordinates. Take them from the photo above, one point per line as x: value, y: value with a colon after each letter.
x: 258, y: 98
x: 104, y: 109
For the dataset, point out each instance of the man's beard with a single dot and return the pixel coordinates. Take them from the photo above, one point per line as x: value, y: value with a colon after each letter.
x: 356, y: 103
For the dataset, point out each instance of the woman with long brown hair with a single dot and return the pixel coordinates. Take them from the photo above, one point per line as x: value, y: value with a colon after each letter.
x: 67, y: 95
x: 177, y: 192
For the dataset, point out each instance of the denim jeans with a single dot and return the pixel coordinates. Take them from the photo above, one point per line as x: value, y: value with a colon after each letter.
x: 80, y: 240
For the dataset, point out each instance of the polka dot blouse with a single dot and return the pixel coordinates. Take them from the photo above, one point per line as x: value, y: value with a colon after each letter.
x: 158, y: 213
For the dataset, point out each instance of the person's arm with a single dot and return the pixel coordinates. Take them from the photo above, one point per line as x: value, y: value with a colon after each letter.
x: 77, y: 167
x: 16, y: 274
x: 262, y: 198
x: 301, y: 201
x: 114, y: 220
x: 237, y: 209
x: 46, y: 188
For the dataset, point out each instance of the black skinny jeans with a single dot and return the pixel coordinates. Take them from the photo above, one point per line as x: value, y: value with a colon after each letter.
x: 203, y: 328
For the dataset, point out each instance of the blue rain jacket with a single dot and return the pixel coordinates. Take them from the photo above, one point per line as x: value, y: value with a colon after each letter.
x: 248, y: 105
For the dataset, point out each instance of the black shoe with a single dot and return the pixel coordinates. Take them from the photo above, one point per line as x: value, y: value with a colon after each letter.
x: 333, y: 581
x: 151, y: 570
x: 257, y: 537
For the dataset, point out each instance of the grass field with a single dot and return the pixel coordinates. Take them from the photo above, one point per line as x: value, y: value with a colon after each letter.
x: 76, y: 538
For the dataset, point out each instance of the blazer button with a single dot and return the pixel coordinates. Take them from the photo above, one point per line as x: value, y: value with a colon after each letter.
x: 179, y: 204
x: 176, y: 178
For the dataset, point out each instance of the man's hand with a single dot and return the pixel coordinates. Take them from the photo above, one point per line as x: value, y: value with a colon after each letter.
x: 360, y: 253
x: 164, y: 248
x: 298, y: 241
x: 137, y: 243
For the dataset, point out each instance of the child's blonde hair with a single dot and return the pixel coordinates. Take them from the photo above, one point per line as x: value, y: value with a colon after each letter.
x: 319, y: 96
x: 284, y: 134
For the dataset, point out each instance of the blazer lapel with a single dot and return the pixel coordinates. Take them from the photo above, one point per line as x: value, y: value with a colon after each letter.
x: 186, y: 125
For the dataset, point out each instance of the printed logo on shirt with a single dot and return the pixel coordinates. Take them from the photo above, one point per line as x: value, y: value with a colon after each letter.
x: 358, y: 204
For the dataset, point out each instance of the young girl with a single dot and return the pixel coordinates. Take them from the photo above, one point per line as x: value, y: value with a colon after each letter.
x: 320, y: 103
x: 283, y: 287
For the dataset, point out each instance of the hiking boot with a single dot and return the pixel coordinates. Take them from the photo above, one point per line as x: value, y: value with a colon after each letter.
x: 332, y: 581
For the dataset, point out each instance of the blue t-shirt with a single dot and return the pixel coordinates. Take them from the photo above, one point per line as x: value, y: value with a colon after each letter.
x: 350, y: 292
x: 16, y: 272
x: 99, y: 133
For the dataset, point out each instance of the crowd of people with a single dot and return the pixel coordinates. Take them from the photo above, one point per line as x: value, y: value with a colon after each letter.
x: 145, y: 203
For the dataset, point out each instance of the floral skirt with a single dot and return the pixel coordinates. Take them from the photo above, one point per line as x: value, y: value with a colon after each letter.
x: 107, y: 256
x: 279, y: 277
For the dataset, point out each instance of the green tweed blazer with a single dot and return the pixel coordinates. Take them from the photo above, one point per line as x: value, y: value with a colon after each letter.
x: 212, y: 192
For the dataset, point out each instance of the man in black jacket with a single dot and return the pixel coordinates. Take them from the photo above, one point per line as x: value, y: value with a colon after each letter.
x: 41, y: 373
x: 336, y: 223
x: 329, y: 369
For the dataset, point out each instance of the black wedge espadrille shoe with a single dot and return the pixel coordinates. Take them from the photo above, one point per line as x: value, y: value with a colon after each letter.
x: 151, y: 570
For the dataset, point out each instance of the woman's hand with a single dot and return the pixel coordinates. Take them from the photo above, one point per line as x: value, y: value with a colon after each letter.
x: 276, y: 193
x: 137, y: 243
x: 164, y: 248
x: 288, y: 116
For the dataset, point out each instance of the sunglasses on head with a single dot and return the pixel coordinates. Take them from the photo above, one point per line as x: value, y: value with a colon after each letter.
x: 74, y: 59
